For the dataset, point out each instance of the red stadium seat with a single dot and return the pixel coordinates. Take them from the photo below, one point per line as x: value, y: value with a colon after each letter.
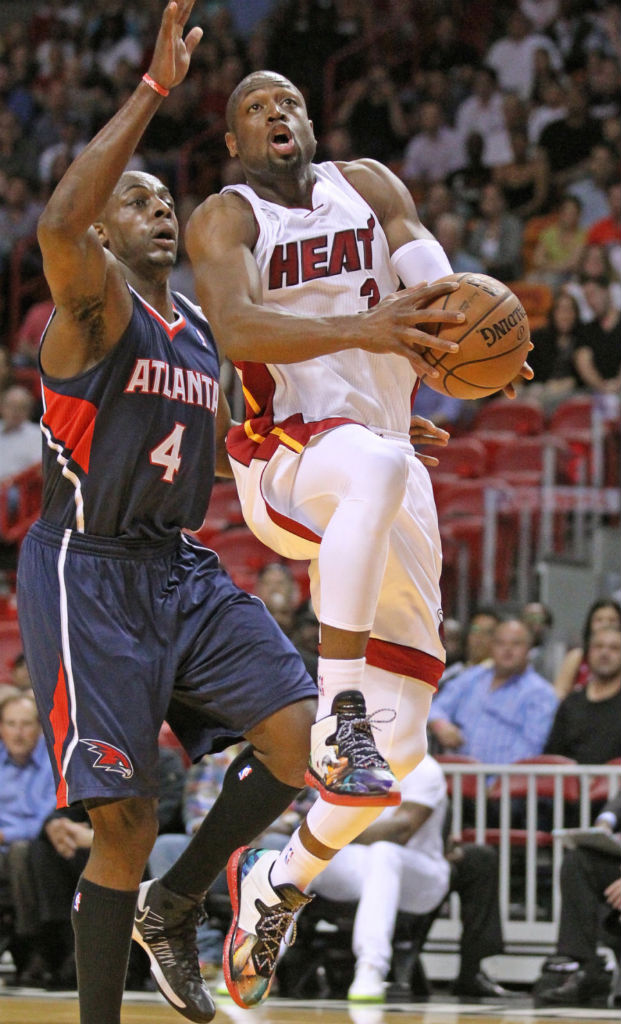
x: 463, y: 457
x: 521, y: 461
x: 521, y: 417
x: 224, y: 511
x: 573, y: 413
x: 544, y: 784
x: 468, y: 782
x: 20, y: 503
x: 239, y: 549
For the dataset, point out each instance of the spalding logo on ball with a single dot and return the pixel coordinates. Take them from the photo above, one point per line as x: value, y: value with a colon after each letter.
x: 493, y: 342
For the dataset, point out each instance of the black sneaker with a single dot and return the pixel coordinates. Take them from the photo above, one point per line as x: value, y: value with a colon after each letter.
x: 165, y: 927
x: 345, y: 764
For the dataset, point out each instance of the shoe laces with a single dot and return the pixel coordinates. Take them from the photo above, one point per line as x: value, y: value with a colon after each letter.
x: 175, y: 945
x: 355, y: 741
x: 277, y: 924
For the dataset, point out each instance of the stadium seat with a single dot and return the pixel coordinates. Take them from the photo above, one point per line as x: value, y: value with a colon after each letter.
x: 599, y: 790
x: 224, y: 511
x: 572, y: 413
x: 468, y: 782
x: 238, y: 548
x: 521, y: 462
x: 536, y: 298
x: 520, y: 416
x: 463, y: 457
x: 544, y: 784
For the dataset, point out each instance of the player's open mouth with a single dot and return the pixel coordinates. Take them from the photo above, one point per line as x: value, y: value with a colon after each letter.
x: 283, y: 142
x: 165, y: 238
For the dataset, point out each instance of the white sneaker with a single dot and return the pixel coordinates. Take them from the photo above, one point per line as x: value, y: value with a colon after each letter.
x: 368, y: 985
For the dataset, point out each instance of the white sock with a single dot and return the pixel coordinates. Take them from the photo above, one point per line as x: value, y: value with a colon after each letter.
x: 296, y: 865
x: 334, y: 675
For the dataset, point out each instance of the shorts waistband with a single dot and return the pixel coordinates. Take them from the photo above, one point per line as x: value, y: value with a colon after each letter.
x: 132, y: 548
x: 392, y: 435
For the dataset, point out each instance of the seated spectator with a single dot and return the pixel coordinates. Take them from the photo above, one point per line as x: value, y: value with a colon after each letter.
x: 27, y: 796
x: 513, y: 56
x: 594, y: 262
x: 546, y: 653
x: 552, y: 358
x: 592, y: 189
x: 450, y: 231
x: 496, y: 237
x: 497, y: 714
x: 477, y: 644
x: 598, y: 358
x: 574, y: 671
x: 587, y: 724
x: 560, y: 245
x: 374, y: 117
x: 607, y: 230
x: 567, y: 143
x: 482, y: 113
x: 453, y: 638
x: 433, y: 152
x: 20, y: 438
x: 590, y: 884
x: 468, y: 181
x: 551, y: 107
x: 524, y: 179
x: 398, y: 863
x: 20, y: 676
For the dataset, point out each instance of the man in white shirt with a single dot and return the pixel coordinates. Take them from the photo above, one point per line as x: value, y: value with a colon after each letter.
x: 397, y: 863
x: 20, y: 439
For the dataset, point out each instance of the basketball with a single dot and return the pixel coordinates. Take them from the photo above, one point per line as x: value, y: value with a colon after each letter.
x: 493, y: 342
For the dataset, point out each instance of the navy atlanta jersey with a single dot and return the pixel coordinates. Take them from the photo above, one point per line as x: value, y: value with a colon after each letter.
x: 129, y: 445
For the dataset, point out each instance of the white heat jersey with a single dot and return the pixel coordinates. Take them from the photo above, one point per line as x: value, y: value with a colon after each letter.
x: 329, y: 261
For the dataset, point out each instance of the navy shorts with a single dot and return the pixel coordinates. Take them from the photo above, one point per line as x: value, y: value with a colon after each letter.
x: 120, y: 635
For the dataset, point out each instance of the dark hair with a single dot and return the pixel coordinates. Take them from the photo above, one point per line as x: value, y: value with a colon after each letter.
x: 604, y: 602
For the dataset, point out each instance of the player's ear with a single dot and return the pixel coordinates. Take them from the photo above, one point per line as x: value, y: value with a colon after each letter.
x: 231, y: 144
x: 102, y: 234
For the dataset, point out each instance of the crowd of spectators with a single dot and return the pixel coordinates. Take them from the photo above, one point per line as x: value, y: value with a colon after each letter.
x: 506, y: 128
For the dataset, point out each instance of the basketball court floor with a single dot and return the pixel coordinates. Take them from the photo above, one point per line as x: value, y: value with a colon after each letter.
x: 20, y: 1008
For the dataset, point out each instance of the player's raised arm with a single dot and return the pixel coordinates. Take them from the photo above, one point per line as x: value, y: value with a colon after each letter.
x: 92, y: 303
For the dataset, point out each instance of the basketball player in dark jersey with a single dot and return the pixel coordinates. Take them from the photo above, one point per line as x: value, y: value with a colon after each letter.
x: 125, y: 619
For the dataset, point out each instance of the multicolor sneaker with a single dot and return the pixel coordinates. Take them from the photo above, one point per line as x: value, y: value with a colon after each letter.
x: 165, y: 927
x: 262, y: 916
x: 345, y: 764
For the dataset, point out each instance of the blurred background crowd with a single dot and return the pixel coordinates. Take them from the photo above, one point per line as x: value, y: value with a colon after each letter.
x: 504, y: 121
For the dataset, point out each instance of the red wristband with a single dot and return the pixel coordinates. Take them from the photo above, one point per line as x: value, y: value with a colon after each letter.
x: 159, y: 89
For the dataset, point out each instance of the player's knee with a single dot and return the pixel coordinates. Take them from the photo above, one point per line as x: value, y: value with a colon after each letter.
x: 130, y: 824
x: 282, y: 741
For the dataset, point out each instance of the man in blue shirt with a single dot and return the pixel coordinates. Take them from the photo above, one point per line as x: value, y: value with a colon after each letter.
x: 27, y: 797
x: 497, y: 713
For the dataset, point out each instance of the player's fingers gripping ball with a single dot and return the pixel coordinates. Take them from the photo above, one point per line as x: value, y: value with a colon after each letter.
x: 493, y: 341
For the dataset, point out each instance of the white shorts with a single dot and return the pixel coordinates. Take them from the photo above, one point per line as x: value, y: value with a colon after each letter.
x: 404, y: 634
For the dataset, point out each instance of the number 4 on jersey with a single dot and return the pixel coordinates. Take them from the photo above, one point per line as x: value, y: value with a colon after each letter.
x: 167, y: 453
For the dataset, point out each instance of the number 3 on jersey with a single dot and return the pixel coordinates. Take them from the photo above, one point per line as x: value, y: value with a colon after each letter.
x: 167, y: 453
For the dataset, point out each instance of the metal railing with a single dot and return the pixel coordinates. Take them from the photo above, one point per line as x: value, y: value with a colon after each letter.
x: 530, y: 856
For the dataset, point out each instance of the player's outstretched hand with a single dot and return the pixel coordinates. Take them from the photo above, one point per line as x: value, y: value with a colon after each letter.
x: 526, y: 373
x: 172, y: 53
x: 397, y: 324
x: 423, y: 431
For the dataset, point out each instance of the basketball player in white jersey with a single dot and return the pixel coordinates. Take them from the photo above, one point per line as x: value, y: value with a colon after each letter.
x: 297, y: 271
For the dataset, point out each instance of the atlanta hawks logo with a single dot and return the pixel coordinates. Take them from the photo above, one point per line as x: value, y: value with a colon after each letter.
x: 110, y: 758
